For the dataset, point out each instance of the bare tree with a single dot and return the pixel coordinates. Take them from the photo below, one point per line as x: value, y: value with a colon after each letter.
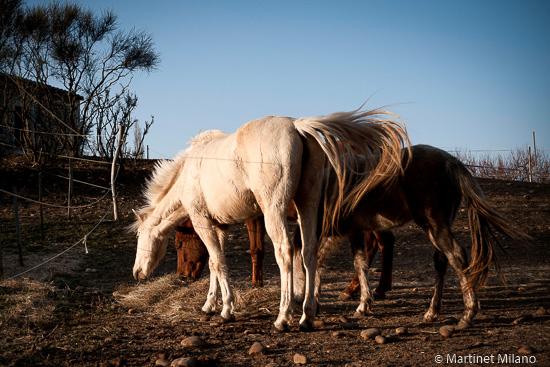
x: 139, y: 137
x: 84, y: 54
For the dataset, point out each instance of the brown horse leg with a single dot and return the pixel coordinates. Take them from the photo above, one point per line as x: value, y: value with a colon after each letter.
x: 256, y: 233
x: 361, y: 269
x: 386, y: 241
x: 371, y: 247
x: 179, y: 253
x: 440, y: 264
x: 456, y: 255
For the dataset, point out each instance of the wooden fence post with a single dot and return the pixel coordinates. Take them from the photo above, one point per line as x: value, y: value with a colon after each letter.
x: 529, y: 165
x: 113, y: 169
x: 41, y: 206
x: 1, y: 261
x: 17, y: 226
x: 70, y: 192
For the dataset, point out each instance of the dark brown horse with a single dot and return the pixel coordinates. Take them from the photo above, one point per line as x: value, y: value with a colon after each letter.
x: 430, y: 192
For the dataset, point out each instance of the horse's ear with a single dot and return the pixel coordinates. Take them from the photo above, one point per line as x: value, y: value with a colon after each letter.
x: 139, y: 216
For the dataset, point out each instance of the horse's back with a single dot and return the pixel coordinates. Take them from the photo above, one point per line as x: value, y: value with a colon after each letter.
x: 429, y: 184
x: 237, y: 174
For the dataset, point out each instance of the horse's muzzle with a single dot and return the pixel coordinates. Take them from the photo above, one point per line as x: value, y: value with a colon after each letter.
x: 139, y: 275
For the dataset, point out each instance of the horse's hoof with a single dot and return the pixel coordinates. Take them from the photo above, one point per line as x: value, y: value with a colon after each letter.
x: 306, y: 326
x: 228, y: 319
x: 281, y: 328
x: 344, y: 296
x: 463, y: 324
x: 209, y: 312
x: 430, y: 317
x: 358, y: 315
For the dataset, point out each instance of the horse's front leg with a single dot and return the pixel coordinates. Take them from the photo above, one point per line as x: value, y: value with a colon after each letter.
x: 361, y: 269
x: 277, y: 229
x: 256, y: 231
x: 212, y: 238
x: 209, y: 306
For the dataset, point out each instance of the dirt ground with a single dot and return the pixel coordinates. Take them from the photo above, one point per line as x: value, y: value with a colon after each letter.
x: 75, y: 310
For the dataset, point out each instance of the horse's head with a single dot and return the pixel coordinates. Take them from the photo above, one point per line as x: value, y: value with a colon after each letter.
x: 161, y: 214
x: 151, y: 246
x: 191, y: 252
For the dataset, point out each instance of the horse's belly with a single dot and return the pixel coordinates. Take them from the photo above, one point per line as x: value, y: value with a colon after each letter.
x: 232, y: 206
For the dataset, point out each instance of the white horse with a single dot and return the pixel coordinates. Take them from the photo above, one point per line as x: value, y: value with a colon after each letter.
x: 262, y: 168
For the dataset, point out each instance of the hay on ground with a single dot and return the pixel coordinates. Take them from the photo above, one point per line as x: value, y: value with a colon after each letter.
x: 171, y: 298
x: 26, y: 302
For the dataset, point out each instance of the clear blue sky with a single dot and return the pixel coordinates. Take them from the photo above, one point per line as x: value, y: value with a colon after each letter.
x: 461, y: 74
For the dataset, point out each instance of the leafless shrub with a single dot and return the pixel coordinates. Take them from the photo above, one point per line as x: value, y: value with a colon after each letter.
x: 518, y: 165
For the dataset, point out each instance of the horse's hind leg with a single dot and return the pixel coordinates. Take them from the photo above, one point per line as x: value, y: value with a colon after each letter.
x: 456, y: 255
x: 440, y: 264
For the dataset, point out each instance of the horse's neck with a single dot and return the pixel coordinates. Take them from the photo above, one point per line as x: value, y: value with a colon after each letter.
x: 167, y: 214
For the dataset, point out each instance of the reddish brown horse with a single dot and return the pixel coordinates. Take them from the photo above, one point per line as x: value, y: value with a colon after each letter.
x: 192, y: 255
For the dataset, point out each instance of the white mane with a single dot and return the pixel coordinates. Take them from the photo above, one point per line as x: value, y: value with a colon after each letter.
x: 205, y: 137
x: 166, y: 172
x: 164, y: 175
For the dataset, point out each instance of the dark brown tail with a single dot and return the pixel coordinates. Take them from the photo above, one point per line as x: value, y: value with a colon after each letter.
x: 483, y: 220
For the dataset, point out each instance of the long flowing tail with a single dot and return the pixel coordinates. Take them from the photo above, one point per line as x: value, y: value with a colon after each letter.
x: 483, y: 220
x: 347, y: 138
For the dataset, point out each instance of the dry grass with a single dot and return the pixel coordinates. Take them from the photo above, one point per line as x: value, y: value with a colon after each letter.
x: 26, y: 302
x: 170, y: 298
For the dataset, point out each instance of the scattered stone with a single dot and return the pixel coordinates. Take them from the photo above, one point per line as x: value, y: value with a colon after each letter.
x: 521, y: 319
x: 380, y: 339
x: 90, y: 270
x: 192, y: 342
x: 401, y: 330
x: 108, y: 340
x: 338, y: 334
x: 541, y: 311
x: 130, y: 311
x: 299, y: 358
x: 185, y: 362
x: 414, y: 290
x: 370, y: 333
x: 446, y: 331
x: 343, y: 319
x: 205, y: 318
x: 521, y: 289
x: 256, y: 348
x: 318, y: 324
x: 162, y: 361
x: 525, y: 349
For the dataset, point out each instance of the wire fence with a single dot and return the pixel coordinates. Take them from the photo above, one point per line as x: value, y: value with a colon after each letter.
x: 519, y: 165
